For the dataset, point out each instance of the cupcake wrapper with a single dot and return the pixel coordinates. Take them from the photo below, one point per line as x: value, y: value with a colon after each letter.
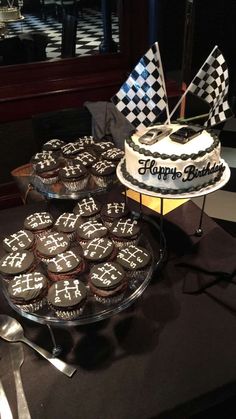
x: 48, y: 181
x: 103, y: 181
x: 109, y: 300
x: 70, y: 314
x: 44, y: 260
x: 42, y: 233
x: 122, y: 244
x: 31, y: 308
x: 108, y: 224
x: 136, y: 276
x: 71, y: 236
x: 76, y: 186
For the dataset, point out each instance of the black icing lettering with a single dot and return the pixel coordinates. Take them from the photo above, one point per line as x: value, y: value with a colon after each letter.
x: 161, y: 172
x: 193, y: 172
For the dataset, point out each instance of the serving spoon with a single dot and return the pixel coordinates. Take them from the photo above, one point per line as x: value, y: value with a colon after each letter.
x: 12, y: 331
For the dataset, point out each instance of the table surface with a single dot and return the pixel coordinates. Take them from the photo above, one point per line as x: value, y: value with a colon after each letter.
x: 169, y: 355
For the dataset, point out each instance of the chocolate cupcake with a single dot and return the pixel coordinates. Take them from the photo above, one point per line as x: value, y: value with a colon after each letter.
x: 21, y: 240
x: 66, y: 265
x: 103, y: 172
x: 125, y: 232
x: 90, y: 230
x: 17, y: 263
x: 86, y: 158
x: 103, y: 146
x: 135, y: 260
x: 43, y: 155
x: 66, y: 223
x: 28, y: 291
x: 70, y: 151
x: 111, y: 211
x: 67, y: 298
x: 99, y: 250
x: 107, y: 282
x: 113, y: 154
x: 39, y: 223
x: 86, y: 141
x: 87, y: 209
x: 50, y: 245
x: 74, y: 177
x: 54, y: 145
x: 47, y: 170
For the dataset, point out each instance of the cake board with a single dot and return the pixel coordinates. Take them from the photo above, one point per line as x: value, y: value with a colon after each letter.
x: 204, y: 192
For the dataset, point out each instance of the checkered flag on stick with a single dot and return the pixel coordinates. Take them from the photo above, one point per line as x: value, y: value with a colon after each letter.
x: 143, y: 96
x: 212, y: 84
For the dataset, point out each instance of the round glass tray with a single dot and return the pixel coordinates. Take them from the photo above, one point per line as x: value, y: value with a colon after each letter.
x: 95, y: 311
x: 59, y: 191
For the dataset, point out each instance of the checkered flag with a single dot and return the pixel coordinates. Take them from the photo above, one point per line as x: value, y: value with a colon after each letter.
x: 212, y: 84
x: 143, y: 96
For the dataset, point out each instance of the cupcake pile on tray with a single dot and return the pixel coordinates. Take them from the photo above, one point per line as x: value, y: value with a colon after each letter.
x: 75, y: 163
x: 90, y: 254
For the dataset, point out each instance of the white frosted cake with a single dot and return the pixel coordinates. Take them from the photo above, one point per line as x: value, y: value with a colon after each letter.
x: 9, y: 13
x: 170, y: 167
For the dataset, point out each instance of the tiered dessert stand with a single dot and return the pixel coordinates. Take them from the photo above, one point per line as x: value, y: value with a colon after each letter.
x: 93, y: 310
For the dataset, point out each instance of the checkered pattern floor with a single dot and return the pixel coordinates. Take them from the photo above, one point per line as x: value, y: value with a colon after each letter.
x: 89, y: 32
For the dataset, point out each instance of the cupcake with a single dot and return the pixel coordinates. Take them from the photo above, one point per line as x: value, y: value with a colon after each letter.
x: 67, y: 298
x: 70, y: 151
x: 103, y: 172
x: 47, y: 170
x: 135, y: 260
x: 90, y: 230
x: 86, y: 141
x: 113, y: 154
x: 39, y: 223
x: 43, y: 155
x: 99, y: 250
x: 66, y: 223
x: 17, y: 263
x: 111, y: 211
x: 28, y: 291
x: 125, y: 232
x: 21, y: 240
x: 87, y: 209
x: 86, y: 158
x: 50, y: 245
x: 74, y: 177
x: 54, y: 145
x: 103, y: 146
x: 107, y: 282
x: 66, y: 265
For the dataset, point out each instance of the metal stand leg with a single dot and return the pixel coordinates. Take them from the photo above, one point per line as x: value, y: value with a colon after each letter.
x: 199, y: 230
x: 56, y: 350
x: 161, y: 252
x: 140, y: 204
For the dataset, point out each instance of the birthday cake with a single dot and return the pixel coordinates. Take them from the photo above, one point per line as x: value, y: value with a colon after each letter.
x: 9, y: 13
x: 167, y: 166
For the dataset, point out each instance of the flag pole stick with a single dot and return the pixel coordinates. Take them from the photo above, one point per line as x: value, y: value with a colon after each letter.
x: 163, y: 83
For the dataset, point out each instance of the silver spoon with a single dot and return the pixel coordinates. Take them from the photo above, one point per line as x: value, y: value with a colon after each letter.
x: 12, y: 331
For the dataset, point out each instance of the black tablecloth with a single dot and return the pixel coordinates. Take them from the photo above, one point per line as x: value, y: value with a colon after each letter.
x: 169, y: 355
